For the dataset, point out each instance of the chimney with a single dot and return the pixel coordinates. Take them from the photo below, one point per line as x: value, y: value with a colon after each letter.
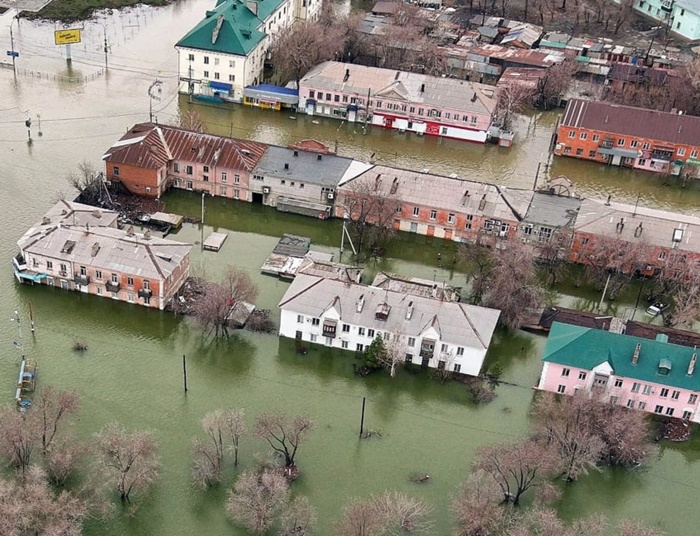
x: 347, y: 75
x: 319, y: 157
x: 635, y: 356
x: 45, y: 220
x: 482, y: 203
x: 296, y: 153
x: 606, y: 118
x: 360, y: 303
x: 691, y: 366
x: 638, y: 230
x: 130, y: 231
x: 286, y: 165
x: 147, y: 234
x: 620, y: 225
x: 422, y: 88
x: 607, y: 203
x: 409, y: 311
x: 95, y: 248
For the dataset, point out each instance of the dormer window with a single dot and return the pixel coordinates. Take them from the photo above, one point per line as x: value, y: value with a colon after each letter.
x: 382, y: 312
x: 664, y: 367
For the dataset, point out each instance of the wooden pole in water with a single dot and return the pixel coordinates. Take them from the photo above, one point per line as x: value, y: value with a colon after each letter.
x: 184, y: 370
x: 31, y: 316
x: 362, y: 419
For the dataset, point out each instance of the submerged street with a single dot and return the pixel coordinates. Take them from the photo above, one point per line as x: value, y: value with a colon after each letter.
x: 132, y: 370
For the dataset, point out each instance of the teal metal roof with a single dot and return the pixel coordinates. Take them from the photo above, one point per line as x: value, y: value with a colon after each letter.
x: 232, y: 27
x: 586, y: 348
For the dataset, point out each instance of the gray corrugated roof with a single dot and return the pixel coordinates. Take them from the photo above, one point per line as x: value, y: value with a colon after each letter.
x: 305, y: 167
x: 458, y: 323
x: 553, y: 210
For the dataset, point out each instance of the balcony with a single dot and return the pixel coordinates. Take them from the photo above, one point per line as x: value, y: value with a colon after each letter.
x: 329, y: 328
x: 145, y: 293
x: 427, y: 348
x: 606, y: 144
x: 82, y: 279
x: 112, y: 286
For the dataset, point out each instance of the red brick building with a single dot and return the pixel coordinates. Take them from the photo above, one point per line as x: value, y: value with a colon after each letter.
x: 618, y: 135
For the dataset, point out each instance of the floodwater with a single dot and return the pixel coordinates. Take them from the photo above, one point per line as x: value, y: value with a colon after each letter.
x: 132, y: 369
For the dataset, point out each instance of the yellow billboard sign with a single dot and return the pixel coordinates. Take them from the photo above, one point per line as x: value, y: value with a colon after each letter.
x: 67, y: 37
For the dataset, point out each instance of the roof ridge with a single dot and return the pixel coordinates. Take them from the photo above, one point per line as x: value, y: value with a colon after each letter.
x: 471, y: 325
x: 318, y: 280
x: 153, y: 260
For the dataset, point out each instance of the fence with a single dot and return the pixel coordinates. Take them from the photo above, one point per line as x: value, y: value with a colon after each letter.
x: 55, y: 77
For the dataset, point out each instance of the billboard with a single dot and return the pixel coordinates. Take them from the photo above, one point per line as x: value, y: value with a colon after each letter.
x: 67, y: 37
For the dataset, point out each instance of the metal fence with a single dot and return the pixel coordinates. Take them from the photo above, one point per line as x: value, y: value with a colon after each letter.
x: 54, y: 77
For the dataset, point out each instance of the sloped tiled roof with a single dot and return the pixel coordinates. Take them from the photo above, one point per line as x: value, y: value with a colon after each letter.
x: 150, y: 145
x: 587, y: 348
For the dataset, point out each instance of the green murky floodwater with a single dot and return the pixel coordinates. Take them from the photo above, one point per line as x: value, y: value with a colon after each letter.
x: 132, y: 370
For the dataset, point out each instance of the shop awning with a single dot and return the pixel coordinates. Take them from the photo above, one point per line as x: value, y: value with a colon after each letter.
x: 30, y: 276
x: 270, y: 93
x: 615, y: 151
x: 220, y: 86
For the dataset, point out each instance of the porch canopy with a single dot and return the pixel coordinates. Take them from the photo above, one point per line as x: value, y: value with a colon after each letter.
x: 272, y: 94
x: 615, y: 151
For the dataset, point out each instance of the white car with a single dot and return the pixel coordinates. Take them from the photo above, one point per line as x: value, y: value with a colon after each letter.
x: 656, y: 309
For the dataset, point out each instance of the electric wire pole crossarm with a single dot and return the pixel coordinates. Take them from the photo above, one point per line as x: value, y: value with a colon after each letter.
x: 151, y: 97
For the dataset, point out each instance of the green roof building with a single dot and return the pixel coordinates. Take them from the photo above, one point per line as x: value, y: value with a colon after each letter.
x: 645, y: 374
x: 227, y: 49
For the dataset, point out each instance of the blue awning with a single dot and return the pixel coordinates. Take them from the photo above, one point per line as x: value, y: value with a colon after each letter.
x: 269, y: 93
x: 310, y: 101
x: 352, y: 107
x: 220, y: 86
x: 30, y: 276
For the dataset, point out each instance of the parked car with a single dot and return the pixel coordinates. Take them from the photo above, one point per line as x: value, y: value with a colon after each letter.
x: 656, y: 309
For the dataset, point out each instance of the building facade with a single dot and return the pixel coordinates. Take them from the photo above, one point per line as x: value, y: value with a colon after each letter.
x: 617, y: 135
x: 425, y: 331
x: 434, y: 205
x: 408, y: 102
x: 228, y: 49
x: 646, y: 375
x: 680, y: 17
x: 102, y: 260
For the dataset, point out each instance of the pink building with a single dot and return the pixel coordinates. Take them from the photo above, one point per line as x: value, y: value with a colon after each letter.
x: 649, y: 375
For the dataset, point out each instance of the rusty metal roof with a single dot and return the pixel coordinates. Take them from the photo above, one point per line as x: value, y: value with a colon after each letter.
x: 153, y: 146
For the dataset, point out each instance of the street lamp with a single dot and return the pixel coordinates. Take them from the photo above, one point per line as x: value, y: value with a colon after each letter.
x: 156, y: 84
x: 106, y: 45
x: 12, y: 51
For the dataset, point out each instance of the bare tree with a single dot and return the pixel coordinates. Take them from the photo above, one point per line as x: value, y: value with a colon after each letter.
x: 686, y: 305
x: 191, y: 120
x: 552, y: 86
x: 477, y: 509
x: 304, y: 45
x: 634, y: 528
x: 284, y: 434
x: 551, y: 256
x: 385, y: 514
x: 298, y: 518
x: 513, y: 284
x: 613, y: 262
x: 129, y: 461
x: 369, y: 208
x: 32, y: 508
x: 18, y: 438
x: 53, y: 406
x: 516, y: 467
x: 212, y: 309
x: 512, y: 100
x: 478, y: 261
x: 257, y: 499
x: 566, y: 425
x: 89, y: 183
x: 237, y: 428
x: 62, y: 458
x: 208, y: 454
x: 360, y: 518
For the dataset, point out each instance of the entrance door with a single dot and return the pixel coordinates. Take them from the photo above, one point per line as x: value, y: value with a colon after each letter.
x: 257, y: 198
x: 414, y: 227
x: 448, y: 234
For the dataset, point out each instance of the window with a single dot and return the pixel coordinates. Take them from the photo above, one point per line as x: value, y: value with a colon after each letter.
x: 328, y: 96
x: 572, y: 134
x: 473, y: 121
x: 130, y: 298
x: 443, y: 347
x: 567, y: 150
x: 416, y: 211
x: 642, y: 406
x: 99, y: 291
x: 635, y: 387
x: 258, y: 178
x: 613, y: 400
x: 561, y: 389
x: 283, y: 182
x: 658, y: 409
x: 618, y: 383
x: 336, y: 98
x: 664, y: 393
x: 313, y: 337
x: 223, y: 190
x: 344, y: 344
x: 216, y: 76
x: 236, y: 193
x: 232, y: 64
x: 450, y: 218
x: 596, y: 137
x: 620, y: 142
x: 236, y: 179
x: 49, y: 265
x: 115, y: 278
x: 458, y: 367
x: 420, y: 111
x: 433, y: 214
x: 206, y: 60
x: 662, y: 255
x: 565, y: 372
x: 591, y: 154
x: 98, y: 274
x: 115, y: 171
x: 359, y: 347
x: 411, y: 341
x: 581, y: 375
x: 583, y: 135
x: 678, y: 25
x: 301, y: 185
x: 205, y: 169
x: 460, y: 350
x: 370, y: 333
x: 360, y: 331
x: 206, y: 74
x: 681, y: 151
x: 669, y: 412
x: 647, y: 390
x: 146, y: 284
x: 346, y: 328
x: 630, y: 403
x: 176, y: 167
x: 694, y: 153
x: 645, y: 146
x: 447, y: 115
x: 675, y: 395
x: 315, y: 321
x: 642, y: 162
x: 579, y: 152
x: 633, y: 143
x: 188, y: 170
x: 205, y: 178
x: 687, y: 415
x: 409, y: 358
x: 232, y: 78
x: 692, y: 399
x: 129, y: 281
x: 190, y: 57
x: 300, y: 319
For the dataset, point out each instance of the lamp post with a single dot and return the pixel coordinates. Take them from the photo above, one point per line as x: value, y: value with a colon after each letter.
x: 12, y: 51
x: 106, y: 44
x: 156, y: 84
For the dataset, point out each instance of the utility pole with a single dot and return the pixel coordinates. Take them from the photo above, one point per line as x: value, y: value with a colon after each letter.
x: 156, y: 84
x: 12, y: 51
x: 184, y: 371
x: 362, y: 418
x: 106, y: 46
x: 201, y: 243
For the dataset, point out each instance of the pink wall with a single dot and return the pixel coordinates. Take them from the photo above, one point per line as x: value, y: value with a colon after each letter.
x: 647, y: 398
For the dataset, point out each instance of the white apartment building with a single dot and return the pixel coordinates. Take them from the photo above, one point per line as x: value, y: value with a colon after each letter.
x: 429, y: 332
